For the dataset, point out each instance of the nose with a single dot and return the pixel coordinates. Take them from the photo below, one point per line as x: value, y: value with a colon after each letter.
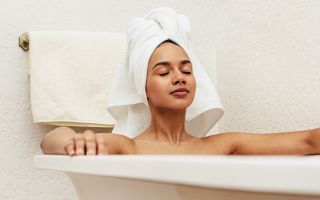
x: 178, y: 78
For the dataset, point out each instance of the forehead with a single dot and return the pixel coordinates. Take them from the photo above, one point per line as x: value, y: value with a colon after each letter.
x: 168, y: 52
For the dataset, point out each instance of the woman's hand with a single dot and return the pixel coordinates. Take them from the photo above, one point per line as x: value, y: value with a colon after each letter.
x: 86, y: 143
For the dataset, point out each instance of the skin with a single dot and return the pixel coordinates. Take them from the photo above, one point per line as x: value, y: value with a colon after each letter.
x: 170, y: 68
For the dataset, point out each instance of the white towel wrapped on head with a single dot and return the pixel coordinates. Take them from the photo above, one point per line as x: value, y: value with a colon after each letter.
x: 71, y: 74
x: 127, y: 100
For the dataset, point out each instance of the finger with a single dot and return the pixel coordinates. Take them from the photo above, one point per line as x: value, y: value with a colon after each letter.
x: 90, y: 143
x: 88, y: 132
x: 101, y: 145
x: 69, y: 148
x: 79, y: 140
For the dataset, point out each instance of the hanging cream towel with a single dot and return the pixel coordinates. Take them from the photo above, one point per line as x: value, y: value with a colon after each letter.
x: 71, y: 75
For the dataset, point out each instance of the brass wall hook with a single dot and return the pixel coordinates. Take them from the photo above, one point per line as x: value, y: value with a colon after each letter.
x: 24, y: 41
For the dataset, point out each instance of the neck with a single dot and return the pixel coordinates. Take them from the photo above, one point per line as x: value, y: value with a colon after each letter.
x: 167, y: 125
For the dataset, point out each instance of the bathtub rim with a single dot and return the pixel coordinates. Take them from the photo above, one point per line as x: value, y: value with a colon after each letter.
x: 275, y: 171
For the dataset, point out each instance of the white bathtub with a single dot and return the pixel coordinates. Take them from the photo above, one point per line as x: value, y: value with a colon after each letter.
x: 189, y: 177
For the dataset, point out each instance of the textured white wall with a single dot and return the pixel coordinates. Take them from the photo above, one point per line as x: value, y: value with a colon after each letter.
x: 19, y: 136
x: 268, y: 65
x: 267, y: 55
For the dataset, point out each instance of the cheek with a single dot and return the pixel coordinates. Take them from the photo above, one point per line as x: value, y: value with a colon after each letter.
x: 193, y: 87
x: 156, y: 88
x: 192, y: 84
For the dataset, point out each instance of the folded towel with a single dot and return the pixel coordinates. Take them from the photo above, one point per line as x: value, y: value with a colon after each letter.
x: 71, y: 74
x: 127, y: 100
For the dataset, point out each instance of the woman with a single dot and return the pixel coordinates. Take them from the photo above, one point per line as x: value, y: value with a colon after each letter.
x: 170, y: 88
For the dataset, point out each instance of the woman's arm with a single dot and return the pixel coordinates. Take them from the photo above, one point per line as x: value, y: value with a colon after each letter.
x: 314, y: 140
x: 54, y: 141
x: 288, y: 143
x: 65, y: 141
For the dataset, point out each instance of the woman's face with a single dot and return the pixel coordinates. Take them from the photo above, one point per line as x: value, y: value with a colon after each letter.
x: 170, y: 81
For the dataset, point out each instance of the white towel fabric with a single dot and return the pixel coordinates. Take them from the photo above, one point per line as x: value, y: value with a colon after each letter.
x: 127, y: 100
x: 71, y: 74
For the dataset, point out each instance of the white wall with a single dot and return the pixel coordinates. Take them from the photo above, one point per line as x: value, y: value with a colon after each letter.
x: 266, y: 53
x: 268, y: 65
x: 19, y: 136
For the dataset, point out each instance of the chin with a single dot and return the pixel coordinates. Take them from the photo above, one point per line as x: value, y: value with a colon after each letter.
x: 173, y: 104
x: 179, y: 105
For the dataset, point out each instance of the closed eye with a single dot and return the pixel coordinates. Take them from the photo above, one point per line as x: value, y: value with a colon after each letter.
x: 168, y: 73
x: 164, y: 74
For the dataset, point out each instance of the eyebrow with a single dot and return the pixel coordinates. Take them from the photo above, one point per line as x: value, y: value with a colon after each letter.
x: 167, y: 63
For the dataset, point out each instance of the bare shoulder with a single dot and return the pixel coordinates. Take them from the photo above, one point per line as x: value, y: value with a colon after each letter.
x: 118, y: 144
x: 221, y: 144
x: 233, y: 143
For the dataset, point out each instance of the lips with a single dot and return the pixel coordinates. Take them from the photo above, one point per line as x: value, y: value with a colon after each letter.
x: 180, y: 92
